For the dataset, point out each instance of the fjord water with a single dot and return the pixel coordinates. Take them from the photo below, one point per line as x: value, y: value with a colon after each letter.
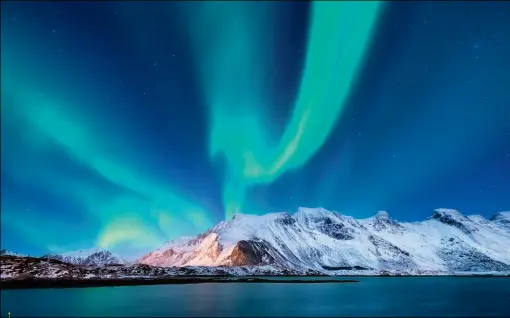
x: 372, y: 296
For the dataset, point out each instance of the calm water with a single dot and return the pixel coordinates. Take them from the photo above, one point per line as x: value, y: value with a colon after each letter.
x: 404, y: 296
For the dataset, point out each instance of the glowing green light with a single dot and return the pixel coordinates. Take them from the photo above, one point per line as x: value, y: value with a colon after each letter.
x: 233, y: 62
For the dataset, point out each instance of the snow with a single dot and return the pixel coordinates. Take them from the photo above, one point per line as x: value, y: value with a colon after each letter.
x: 181, y: 242
x: 504, y: 214
x: 501, y: 216
x: 449, y: 212
x: 382, y: 215
x: 477, y: 218
x: 93, y: 256
x: 82, y: 253
x: 316, y: 237
x: 6, y: 252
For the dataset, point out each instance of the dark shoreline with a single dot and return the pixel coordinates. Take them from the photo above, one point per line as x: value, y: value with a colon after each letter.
x: 80, y: 283
x: 42, y: 283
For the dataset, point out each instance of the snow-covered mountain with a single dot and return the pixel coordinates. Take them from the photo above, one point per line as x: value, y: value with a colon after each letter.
x: 9, y: 253
x: 14, y: 267
x: 315, y: 238
x: 88, y: 257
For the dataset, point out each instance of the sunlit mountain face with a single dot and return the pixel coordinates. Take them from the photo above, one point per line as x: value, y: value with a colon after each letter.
x: 128, y: 124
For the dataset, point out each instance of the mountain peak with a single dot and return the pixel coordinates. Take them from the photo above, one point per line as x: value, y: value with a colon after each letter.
x: 317, y: 210
x: 501, y: 216
x: 84, y: 252
x: 382, y: 215
x: 312, y: 238
x: 10, y: 253
x: 440, y: 214
x: 312, y: 212
x: 454, y: 218
x: 94, y: 256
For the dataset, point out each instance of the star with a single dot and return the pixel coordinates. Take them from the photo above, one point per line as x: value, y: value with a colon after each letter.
x: 53, y: 31
x: 154, y: 64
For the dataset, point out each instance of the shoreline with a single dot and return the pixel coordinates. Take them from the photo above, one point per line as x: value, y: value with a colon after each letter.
x: 43, y: 283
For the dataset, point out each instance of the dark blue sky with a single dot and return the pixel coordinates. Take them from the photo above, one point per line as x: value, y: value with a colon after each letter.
x: 126, y: 123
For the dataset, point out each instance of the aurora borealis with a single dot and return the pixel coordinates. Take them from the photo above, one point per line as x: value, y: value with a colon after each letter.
x: 125, y: 124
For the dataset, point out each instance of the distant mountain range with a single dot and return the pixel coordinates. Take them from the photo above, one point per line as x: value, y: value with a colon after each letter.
x: 315, y: 240
x: 90, y: 257
x: 5, y: 252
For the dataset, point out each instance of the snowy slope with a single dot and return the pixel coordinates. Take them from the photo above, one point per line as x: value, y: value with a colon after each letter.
x: 502, y: 219
x: 5, y: 252
x: 88, y: 257
x: 315, y: 238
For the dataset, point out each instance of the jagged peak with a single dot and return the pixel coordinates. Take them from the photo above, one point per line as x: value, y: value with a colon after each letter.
x: 84, y: 252
x: 451, y: 213
x: 93, y: 256
x: 11, y: 253
x: 315, y: 237
x: 454, y: 218
x: 504, y: 215
x: 243, y: 218
x: 309, y: 210
x: 382, y: 215
x: 312, y: 212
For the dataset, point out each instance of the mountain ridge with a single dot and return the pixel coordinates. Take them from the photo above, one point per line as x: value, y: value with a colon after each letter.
x: 316, y: 238
x: 332, y: 243
x: 88, y: 257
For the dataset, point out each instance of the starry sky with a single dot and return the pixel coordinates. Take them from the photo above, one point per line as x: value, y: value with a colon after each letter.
x: 125, y: 124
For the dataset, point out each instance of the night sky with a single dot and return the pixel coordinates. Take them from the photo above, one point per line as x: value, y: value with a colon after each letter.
x: 125, y: 124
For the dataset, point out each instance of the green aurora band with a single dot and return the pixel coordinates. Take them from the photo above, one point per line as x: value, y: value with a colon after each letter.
x: 232, y: 69
x: 149, y: 212
x: 49, y: 119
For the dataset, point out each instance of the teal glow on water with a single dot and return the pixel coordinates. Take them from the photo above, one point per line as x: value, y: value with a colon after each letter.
x: 372, y: 296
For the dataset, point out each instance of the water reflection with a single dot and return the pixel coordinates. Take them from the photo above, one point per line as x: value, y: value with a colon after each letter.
x: 372, y: 296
